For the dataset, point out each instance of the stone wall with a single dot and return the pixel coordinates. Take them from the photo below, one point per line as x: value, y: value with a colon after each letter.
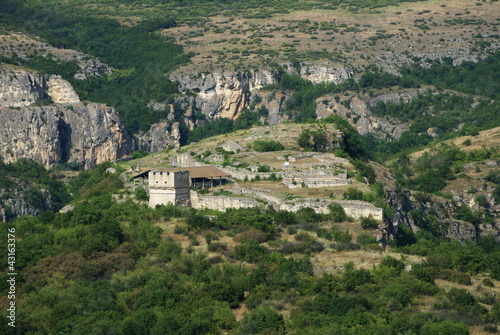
x: 315, y: 178
x: 241, y: 174
x: 353, y: 208
x: 222, y: 203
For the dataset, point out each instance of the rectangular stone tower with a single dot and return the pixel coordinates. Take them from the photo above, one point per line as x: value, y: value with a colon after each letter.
x: 168, y: 187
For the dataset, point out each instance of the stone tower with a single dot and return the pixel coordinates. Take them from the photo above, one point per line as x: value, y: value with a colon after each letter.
x: 168, y: 187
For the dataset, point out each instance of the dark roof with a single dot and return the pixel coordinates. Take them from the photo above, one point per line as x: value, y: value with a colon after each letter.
x: 194, y: 172
x: 142, y: 174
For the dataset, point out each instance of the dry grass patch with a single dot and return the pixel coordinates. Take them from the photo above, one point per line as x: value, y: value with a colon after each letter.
x: 417, y: 27
x: 488, y: 138
x: 333, y: 262
x: 476, y: 288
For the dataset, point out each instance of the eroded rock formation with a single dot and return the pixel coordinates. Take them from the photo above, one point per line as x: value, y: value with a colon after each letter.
x: 43, y: 119
x: 227, y: 94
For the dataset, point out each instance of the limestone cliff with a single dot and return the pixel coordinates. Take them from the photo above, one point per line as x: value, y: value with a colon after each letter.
x: 18, y: 201
x: 223, y: 94
x: 66, y: 130
x: 159, y: 137
x: 324, y: 73
x: 356, y: 111
x: 227, y: 93
x: 440, y: 216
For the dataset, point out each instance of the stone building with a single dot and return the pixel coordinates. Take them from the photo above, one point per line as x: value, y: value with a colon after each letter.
x: 168, y: 187
x: 204, y: 176
x: 172, y: 186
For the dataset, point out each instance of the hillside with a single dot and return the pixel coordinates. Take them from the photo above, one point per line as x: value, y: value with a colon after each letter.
x: 344, y: 160
x: 279, y: 267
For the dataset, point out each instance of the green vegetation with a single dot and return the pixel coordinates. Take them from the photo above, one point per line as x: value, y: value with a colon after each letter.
x: 220, y: 126
x: 444, y: 112
x: 40, y: 189
x: 266, y: 146
x: 438, y: 166
x: 124, y: 266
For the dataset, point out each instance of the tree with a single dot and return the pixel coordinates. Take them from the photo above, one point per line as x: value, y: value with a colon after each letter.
x: 169, y: 249
x: 369, y: 222
x: 262, y: 320
x: 337, y: 212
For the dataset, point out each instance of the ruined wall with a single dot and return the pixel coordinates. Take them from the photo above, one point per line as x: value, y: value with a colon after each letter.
x: 222, y: 203
x: 353, y: 208
x: 315, y: 178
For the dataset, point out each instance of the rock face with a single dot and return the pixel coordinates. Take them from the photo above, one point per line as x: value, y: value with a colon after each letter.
x: 19, y: 87
x: 409, y: 208
x: 325, y: 73
x: 160, y: 136
x: 65, y: 131
x: 223, y: 94
x: 15, y: 202
x: 227, y: 94
x: 356, y: 111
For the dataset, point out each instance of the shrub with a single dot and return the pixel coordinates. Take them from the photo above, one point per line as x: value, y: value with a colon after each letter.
x: 264, y: 168
x: 139, y: 154
x: 365, y: 239
x: 369, y: 222
x: 353, y: 194
x: 217, y: 247
x: 341, y: 236
x: 460, y: 278
x: 487, y: 282
x: 250, y: 251
x: 168, y: 249
x: 273, y: 177
x: 304, y: 237
x: 494, y: 315
x: 252, y: 234
x: 266, y: 146
x: 141, y: 194
x: 352, y: 278
x: 398, y: 294
x: 337, y: 213
x: 460, y: 298
x: 262, y: 320
x: 445, y: 327
x: 481, y: 200
x: 198, y: 221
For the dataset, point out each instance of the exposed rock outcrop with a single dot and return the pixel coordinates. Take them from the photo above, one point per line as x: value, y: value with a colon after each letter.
x: 20, y: 87
x: 65, y: 131
x: 325, y: 73
x: 223, y: 94
x: 89, y: 65
x: 21, y: 200
x: 356, y: 111
x: 227, y: 94
x: 160, y: 136
x: 415, y: 211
